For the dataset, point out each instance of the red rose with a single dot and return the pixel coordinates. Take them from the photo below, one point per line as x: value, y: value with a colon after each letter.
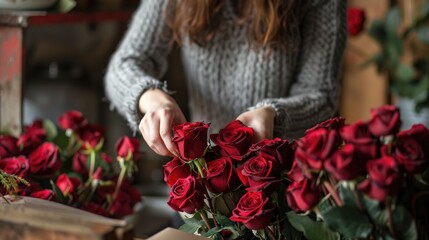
x: 358, y: 134
x: 419, y: 133
x: 79, y: 164
x: 91, y: 135
x: 191, y: 139
x: 384, y: 179
x: 234, y: 140
x: 174, y: 170
x: 45, y: 194
x: 355, y: 20
x: 95, y: 208
x: 15, y: 165
x: 33, y: 137
x: 409, y: 154
x: 254, y: 210
x: 384, y: 121
x: 45, y: 160
x: 331, y: 124
x: 278, y: 148
x: 260, y: 173
x: 186, y: 195
x: 295, y: 174
x: 315, y: 147
x: 72, y: 120
x: 127, y: 148
x: 346, y: 164
x: 302, y: 196
x: 68, y: 185
x: 221, y: 177
x: 125, y: 201
x: 8, y: 146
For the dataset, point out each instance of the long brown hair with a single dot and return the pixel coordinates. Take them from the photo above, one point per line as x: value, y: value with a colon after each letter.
x: 272, y: 22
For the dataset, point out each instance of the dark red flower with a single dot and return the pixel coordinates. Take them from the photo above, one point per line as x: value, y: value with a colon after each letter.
x: 221, y: 176
x: 45, y: 194
x: 419, y: 133
x: 95, y: 208
x: 15, y: 165
x: 33, y: 136
x: 358, y: 134
x: 191, y: 139
x: 72, y: 120
x: 302, y: 196
x: 174, y: 170
x: 186, y: 195
x: 355, y: 20
x: 278, y: 148
x: 346, y: 164
x: 68, y: 185
x: 128, y: 148
x: 331, y: 124
x: 45, y: 160
x: 409, y: 154
x: 91, y: 135
x: 8, y: 146
x: 384, y: 121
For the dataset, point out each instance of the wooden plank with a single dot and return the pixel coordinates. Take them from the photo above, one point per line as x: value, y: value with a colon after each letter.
x: 11, y: 74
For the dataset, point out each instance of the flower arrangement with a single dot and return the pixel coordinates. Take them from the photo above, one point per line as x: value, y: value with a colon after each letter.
x: 67, y: 164
x: 365, y: 180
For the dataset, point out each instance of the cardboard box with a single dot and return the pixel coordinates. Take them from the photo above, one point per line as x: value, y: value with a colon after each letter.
x: 171, y: 233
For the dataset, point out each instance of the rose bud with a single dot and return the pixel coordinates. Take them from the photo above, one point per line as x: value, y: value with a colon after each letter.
x: 384, y: 121
x: 314, y: 148
x: 302, y: 196
x: 15, y: 165
x: 68, y: 185
x: 95, y: 208
x: 278, y: 148
x: 358, y: 134
x: 419, y: 133
x: 174, y: 170
x: 384, y: 179
x: 355, y: 20
x: 254, y: 210
x: 346, y: 164
x: 72, y: 120
x: 79, y: 164
x: 186, y: 195
x: 33, y: 137
x: 409, y: 154
x: 295, y: 174
x: 45, y: 160
x: 331, y: 124
x: 45, y: 194
x: 91, y: 136
x: 191, y: 139
x: 8, y: 146
x: 234, y: 140
x: 260, y: 173
x: 127, y: 148
x: 221, y: 177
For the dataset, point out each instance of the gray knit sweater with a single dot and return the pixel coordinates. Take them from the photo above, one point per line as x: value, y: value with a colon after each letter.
x: 229, y: 76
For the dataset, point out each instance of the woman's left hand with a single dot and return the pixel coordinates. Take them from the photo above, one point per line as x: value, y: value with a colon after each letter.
x: 261, y: 120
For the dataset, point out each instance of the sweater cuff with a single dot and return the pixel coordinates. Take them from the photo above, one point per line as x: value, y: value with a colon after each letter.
x: 131, y: 101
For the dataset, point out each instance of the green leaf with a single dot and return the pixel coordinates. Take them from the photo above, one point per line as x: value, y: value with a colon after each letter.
x: 423, y: 34
x: 291, y: 233
x: 393, y: 49
x: 64, y: 6
x: 50, y: 129
x: 403, y: 224
x: 59, y: 195
x: 188, y: 228
x: 347, y: 196
x: 99, y: 162
x: 224, y: 221
x: 312, y: 230
x: 377, y: 30
x: 339, y: 219
x: 404, y: 73
x: 393, y: 19
x: 61, y: 140
x: 375, y: 211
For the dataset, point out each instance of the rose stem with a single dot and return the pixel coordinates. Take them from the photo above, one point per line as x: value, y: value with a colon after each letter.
x: 120, y: 179
x: 92, y: 163
x: 390, y: 219
x: 203, y: 215
x: 226, y: 204
x: 270, y: 233
x: 333, y: 193
x: 210, y: 201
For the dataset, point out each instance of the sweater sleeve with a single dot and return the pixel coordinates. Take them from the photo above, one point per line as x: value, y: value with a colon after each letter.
x: 314, y: 94
x: 140, y: 60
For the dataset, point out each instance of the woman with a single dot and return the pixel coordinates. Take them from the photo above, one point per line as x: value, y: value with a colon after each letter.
x: 273, y: 64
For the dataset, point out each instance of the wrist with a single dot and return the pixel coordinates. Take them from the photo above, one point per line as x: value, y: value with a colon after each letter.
x: 149, y: 97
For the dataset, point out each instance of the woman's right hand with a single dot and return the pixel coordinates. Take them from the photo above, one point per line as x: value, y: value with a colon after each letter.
x: 161, y: 113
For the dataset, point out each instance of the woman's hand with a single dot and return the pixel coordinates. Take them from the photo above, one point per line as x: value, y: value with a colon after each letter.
x: 161, y: 113
x: 261, y: 120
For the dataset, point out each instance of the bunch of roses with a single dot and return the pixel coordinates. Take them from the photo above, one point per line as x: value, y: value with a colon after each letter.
x: 347, y: 176
x: 68, y: 165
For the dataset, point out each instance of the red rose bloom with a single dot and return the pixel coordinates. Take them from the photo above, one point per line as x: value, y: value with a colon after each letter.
x: 358, y: 134
x: 254, y: 210
x: 409, y: 154
x: 186, y: 195
x: 174, y: 170
x: 127, y: 147
x: 346, y: 164
x: 384, y: 121
x: 234, y: 140
x: 45, y: 160
x: 79, y: 164
x: 302, y: 196
x: 91, y: 135
x: 45, y: 194
x: 33, y: 136
x: 384, y: 179
x: 355, y: 20
x: 95, y: 208
x: 191, y: 139
x: 331, y: 124
x: 68, y: 185
x: 8, y: 146
x: 419, y: 133
x: 221, y: 177
x: 278, y: 148
x: 15, y: 165
x: 72, y: 120
x: 295, y: 174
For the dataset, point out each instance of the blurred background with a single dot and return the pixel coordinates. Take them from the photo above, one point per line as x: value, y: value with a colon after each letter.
x: 385, y: 62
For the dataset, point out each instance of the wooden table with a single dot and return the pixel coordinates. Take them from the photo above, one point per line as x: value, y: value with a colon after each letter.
x: 13, y: 25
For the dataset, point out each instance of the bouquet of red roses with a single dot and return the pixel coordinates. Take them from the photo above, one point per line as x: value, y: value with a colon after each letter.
x: 68, y: 165
x: 366, y: 180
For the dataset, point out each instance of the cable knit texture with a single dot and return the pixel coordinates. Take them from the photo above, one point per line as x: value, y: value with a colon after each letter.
x: 229, y: 76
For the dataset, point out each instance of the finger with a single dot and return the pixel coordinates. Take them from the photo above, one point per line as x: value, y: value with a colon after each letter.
x: 155, y: 137
x: 145, y: 130
x: 166, y: 122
